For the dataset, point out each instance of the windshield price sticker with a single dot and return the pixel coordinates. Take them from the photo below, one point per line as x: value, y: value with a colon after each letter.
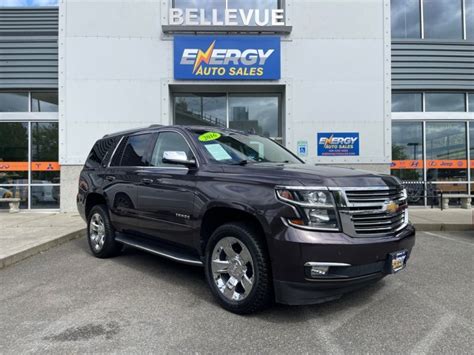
x: 209, y: 136
x: 217, y: 151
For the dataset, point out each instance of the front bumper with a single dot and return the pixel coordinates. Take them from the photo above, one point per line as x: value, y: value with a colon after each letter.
x: 367, y: 258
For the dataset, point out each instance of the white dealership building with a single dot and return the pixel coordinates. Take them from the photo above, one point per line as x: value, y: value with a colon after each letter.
x: 314, y: 75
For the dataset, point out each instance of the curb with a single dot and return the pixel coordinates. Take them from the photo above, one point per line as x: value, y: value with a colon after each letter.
x: 440, y: 227
x: 22, y: 255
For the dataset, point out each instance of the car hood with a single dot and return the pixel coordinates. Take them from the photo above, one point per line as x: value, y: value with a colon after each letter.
x: 313, y: 175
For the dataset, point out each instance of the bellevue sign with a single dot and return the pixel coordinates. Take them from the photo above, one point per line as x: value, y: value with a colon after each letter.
x: 226, y: 17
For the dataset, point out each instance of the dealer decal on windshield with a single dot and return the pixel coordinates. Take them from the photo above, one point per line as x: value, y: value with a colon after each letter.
x: 209, y: 136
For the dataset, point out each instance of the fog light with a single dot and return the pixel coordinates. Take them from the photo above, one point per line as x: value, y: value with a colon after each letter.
x: 317, y: 271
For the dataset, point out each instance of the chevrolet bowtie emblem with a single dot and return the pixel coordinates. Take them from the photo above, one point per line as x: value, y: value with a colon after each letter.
x: 391, y: 207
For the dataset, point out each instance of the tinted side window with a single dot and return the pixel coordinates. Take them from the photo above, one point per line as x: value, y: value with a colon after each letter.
x: 101, y: 149
x: 169, y: 141
x: 135, y: 151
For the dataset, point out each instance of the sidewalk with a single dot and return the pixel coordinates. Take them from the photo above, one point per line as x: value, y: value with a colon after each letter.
x: 25, y: 234
x: 433, y: 219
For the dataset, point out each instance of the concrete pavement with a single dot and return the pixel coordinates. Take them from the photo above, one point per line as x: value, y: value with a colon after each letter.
x: 25, y: 234
x: 434, y: 219
x: 67, y: 301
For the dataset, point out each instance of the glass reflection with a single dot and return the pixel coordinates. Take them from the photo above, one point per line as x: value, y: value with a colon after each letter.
x: 405, y: 18
x: 44, y: 153
x: 446, y: 151
x: 406, y: 102
x: 258, y: 114
x: 13, y: 152
x: 45, y: 197
x: 407, y: 150
x: 20, y: 192
x: 200, y: 109
x: 13, y: 102
x: 442, y: 19
x: 44, y: 101
x: 445, y: 102
x: 470, y: 19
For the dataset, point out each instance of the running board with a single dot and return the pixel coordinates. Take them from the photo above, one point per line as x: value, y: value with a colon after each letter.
x: 157, y: 249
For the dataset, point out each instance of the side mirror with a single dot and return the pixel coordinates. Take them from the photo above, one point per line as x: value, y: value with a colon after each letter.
x: 178, y: 157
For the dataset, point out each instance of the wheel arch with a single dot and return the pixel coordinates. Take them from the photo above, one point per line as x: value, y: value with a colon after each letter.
x: 93, y: 199
x: 217, y: 216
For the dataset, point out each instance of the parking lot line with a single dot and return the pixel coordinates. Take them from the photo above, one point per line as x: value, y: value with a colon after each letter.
x: 448, y: 238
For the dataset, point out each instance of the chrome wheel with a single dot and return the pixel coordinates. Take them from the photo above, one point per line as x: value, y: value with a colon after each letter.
x: 97, y: 232
x: 232, y: 268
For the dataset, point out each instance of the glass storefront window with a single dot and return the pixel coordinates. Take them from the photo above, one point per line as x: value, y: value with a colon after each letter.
x: 44, y: 102
x: 469, y: 19
x: 443, y: 19
x: 20, y: 192
x: 258, y: 114
x: 407, y: 102
x: 471, y: 144
x: 446, y: 151
x: 201, y: 109
x: 44, y: 153
x: 405, y: 18
x: 42, y: 190
x: 13, y: 153
x: 470, y: 99
x: 445, y: 102
x: 14, y: 102
x: 407, y: 150
x: 46, y: 197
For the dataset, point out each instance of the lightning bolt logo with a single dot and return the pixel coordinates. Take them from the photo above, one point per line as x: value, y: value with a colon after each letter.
x: 203, y: 56
x: 328, y: 140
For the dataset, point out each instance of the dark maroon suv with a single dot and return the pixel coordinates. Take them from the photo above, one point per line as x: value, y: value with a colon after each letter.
x: 265, y: 226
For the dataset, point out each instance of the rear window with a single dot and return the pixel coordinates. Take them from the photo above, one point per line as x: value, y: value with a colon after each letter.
x: 100, y: 152
x: 135, y: 150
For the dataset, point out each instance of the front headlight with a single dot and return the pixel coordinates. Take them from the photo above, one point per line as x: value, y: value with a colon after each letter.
x: 316, y: 208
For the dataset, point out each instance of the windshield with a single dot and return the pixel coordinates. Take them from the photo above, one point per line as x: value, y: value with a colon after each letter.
x: 241, y: 148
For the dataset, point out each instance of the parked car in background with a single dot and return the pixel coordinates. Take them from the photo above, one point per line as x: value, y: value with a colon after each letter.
x: 265, y: 225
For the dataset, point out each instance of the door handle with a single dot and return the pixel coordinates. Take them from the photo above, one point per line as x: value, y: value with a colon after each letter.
x: 147, y: 181
x: 110, y: 178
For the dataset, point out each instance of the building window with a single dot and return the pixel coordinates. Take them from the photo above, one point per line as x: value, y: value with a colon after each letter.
x: 201, y: 109
x: 405, y: 18
x: 44, y: 102
x: 14, y: 102
x: 442, y: 19
x: 446, y: 151
x: 470, y: 100
x: 469, y: 19
x: 407, y: 102
x: 407, y: 150
x: 259, y: 113
x: 31, y: 175
x: 445, y: 102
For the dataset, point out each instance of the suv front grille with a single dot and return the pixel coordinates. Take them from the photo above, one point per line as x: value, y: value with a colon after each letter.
x: 369, y: 211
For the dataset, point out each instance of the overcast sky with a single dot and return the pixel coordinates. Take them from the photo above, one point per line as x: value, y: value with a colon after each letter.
x: 28, y: 2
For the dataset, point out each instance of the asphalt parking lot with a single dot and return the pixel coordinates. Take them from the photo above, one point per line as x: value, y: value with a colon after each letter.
x: 64, y: 300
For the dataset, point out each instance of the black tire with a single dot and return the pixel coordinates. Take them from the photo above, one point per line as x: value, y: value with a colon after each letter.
x: 110, y: 247
x: 261, y: 294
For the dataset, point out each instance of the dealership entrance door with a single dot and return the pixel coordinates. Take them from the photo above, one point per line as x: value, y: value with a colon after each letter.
x: 260, y: 113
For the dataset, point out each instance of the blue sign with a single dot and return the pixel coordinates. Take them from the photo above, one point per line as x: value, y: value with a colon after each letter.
x: 302, y: 148
x: 226, y: 57
x: 338, y: 144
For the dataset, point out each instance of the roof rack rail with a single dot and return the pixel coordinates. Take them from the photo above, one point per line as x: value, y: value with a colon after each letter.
x: 155, y: 126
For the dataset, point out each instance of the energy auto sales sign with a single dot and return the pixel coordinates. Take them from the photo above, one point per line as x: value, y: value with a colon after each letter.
x: 226, y: 57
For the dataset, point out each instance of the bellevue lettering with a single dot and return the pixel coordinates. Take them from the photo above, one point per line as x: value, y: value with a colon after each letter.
x: 227, y: 17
